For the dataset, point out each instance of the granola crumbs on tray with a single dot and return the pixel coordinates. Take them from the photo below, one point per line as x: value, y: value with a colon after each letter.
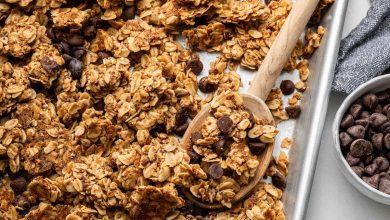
x: 286, y: 142
x: 94, y: 94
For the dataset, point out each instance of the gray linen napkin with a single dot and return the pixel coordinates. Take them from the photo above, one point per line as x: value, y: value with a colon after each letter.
x: 365, y: 52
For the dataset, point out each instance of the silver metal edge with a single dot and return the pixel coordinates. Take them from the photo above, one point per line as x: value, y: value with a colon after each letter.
x: 319, y: 102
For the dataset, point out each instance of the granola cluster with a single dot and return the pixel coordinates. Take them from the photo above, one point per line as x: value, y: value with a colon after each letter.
x: 94, y: 96
x: 20, y: 34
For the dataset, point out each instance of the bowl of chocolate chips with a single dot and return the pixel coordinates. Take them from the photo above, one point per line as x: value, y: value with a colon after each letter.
x: 361, y: 132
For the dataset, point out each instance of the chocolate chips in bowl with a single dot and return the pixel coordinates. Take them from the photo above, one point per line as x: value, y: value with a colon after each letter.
x: 361, y: 132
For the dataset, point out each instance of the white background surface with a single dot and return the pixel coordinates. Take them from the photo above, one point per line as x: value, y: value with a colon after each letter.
x: 332, y: 197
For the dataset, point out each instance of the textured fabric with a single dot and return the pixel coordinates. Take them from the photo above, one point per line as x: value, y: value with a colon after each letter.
x: 365, y: 52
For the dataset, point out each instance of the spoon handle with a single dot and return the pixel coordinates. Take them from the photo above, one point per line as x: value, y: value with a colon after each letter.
x: 282, y: 48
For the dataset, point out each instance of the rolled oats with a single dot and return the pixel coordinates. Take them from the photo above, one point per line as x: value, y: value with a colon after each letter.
x: 321, y: 8
x: 14, y: 87
x: 207, y: 38
x: 69, y: 17
x: 223, y: 141
x: 35, y: 70
x: 313, y: 40
x: 96, y: 141
x: 286, y: 142
x: 20, y: 34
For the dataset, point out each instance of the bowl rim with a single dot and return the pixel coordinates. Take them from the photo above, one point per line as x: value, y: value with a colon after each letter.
x: 358, y: 92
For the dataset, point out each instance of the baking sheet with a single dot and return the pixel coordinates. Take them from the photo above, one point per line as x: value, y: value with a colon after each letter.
x: 306, y: 130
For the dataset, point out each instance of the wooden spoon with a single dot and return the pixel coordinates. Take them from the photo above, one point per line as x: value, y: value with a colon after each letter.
x: 258, y: 91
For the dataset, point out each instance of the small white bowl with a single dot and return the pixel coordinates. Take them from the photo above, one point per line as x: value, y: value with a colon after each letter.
x: 377, y: 84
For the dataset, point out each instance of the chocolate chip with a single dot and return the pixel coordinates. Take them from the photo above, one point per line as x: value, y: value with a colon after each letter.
x: 371, y: 169
x: 128, y: 13
x: 181, y: 116
x: 385, y: 128
x: 370, y: 100
x: 377, y: 141
x: 21, y: 202
x: 220, y: 146
x: 48, y: 65
x: 215, y: 171
x: 99, y: 106
x: 361, y: 147
x: 293, y: 111
x: 101, y: 56
x: 351, y: 160
x: 377, y: 119
x: 89, y: 32
x: 225, y: 124
x: 75, y: 68
x: 384, y: 175
x: 365, y: 114
x: 98, y: 22
x: 50, y: 33
x: 195, y: 137
x: 386, y: 110
x: 370, y: 132
x: 383, y: 163
x: 287, y: 87
x: 383, y: 97
x: 67, y: 58
x: 384, y: 185
x: 75, y: 40
x: 386, y: 141
x: 78, y: 52
x: 368, y: 159
x: 279, y: 180
x: 180, y: 130
x: 19, y: 185
x: 378, y: 109
x: 355, y: 110
x: 195, y: 65
x: 358, y: 170
x: 257, y: 148
x: 63, y: 47
x: 345, y: 140
x: 347, y: 121
x: 363, y: 122
x: 372, y: 181
x: 195, y: 157
x: 206, y: 86
x: 356, y: 131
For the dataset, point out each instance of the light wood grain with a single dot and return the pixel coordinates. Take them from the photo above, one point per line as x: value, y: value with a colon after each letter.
x: 282, y: 47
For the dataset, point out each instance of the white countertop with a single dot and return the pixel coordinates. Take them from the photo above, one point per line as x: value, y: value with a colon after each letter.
x: 332, y: 196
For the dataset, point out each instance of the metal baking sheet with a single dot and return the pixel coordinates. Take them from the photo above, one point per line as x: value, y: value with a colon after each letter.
x: 308, y: 128
x: 305, y: 131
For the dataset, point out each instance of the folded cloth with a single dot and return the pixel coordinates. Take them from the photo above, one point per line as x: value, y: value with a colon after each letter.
x: 365, y: 52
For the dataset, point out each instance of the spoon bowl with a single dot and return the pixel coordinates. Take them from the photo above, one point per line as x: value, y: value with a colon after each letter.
x: 257, y: 107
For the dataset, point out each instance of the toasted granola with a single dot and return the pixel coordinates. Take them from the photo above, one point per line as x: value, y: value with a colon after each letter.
x: 226, y: 148
x: 20, y: 34
x: 14, y: 87
x: 94, y: 94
